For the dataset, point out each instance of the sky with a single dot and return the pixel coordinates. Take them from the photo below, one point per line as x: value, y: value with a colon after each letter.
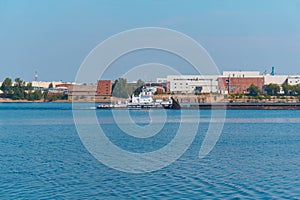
x: 54, y: 37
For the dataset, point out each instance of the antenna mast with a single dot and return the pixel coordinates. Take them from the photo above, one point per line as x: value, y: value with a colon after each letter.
x: 35, y: 76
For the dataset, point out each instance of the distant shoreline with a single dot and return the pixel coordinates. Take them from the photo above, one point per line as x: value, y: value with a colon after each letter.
x: 194, y: 106
x: 246, y: 106
x: 6, y: 100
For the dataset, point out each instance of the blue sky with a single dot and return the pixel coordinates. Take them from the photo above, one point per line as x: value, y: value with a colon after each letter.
x: 53, y: 37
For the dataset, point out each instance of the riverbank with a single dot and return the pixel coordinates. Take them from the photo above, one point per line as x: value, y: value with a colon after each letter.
x: 243, y: 106
x: 7, y: 100
x: 203, y: 102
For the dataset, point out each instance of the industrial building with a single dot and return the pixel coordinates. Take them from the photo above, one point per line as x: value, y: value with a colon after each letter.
x: 82, y: 92
x: 104, y: 87
x: 293, y: 80
x: 241, y: 74
x: 237, y: 82
x: 239, y: 85
x: 44, y: 85
x: 275, y: 79
x: 189, y: 84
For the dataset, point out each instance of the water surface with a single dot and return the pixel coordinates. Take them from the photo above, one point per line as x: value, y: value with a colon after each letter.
x: 257, y: 156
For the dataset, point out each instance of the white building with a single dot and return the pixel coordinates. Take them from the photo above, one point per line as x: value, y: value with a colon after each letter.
x: 1, y: 92
x: 193, y: 83
x: 44, y: 84
x: 161, y: 80
x: 276, y: 79
x: 293, y: 80
x: 268, y: 78
x: 241, y: 74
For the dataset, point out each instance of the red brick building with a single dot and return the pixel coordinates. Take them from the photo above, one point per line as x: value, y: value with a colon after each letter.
x: 104, y: 87
x: 66, y: 85
x: 160, y: 89
x: 239, y: 85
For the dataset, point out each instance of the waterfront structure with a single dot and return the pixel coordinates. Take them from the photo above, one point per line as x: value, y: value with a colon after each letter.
x: 237, y: 85
x: 59, y: 90
x: 158, y: 88
x: 276, y: 79
x: 104, y: 87
x: 241, y: 74
x: 161, y: 80
x: 164, y: 82
x: 82, y: 92
x: 189, y: 84
x: 293, y: 80
x: 237, y: 82
x: 44, y: 85
x: 1, y: 92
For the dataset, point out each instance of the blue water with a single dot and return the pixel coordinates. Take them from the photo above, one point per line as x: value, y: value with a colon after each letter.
x: 42, y: 157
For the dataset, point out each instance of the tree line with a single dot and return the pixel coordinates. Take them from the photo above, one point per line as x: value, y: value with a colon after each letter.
x: 19, y: 90
x: 274, y: 90
x: 122, y: 89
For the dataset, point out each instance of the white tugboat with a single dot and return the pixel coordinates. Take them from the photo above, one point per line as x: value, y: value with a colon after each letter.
x: 143, y: 101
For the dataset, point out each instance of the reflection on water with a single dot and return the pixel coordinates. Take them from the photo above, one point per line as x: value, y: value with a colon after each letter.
x: 41, y: 156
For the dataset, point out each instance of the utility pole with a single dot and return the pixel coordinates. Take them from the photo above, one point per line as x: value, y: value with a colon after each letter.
x: 35, y: 76
x: 228, y: 84
x: 211, y: 80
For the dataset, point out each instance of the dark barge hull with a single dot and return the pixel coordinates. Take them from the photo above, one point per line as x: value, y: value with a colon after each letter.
x: 244, y: 106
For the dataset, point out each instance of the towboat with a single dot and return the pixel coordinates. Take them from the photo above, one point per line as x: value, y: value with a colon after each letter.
x: 105, y: 106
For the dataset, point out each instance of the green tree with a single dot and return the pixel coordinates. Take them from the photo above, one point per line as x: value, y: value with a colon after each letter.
x: 114, y: 84
x: 138, y: 90
x: 6, y: 88
x: 50, y: 85
x: 19, y: 89
x: 291, y: 90
x: 19, y: 82
x: 29, y: 86
x: 121, y: 89
x: 37, y: 95
x: 61, y: 97
x: 139, y: 87
x: 253, y: 90
x: 45, y: 94
x: 297, y: 89
x: 272, y: 89
x: 140, y: 83
x: 29, y: 89
x: 288, y: 90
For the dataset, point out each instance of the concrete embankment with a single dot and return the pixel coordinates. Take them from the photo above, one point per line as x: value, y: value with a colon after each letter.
x: 243, y: 106
x: 217, y: 101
